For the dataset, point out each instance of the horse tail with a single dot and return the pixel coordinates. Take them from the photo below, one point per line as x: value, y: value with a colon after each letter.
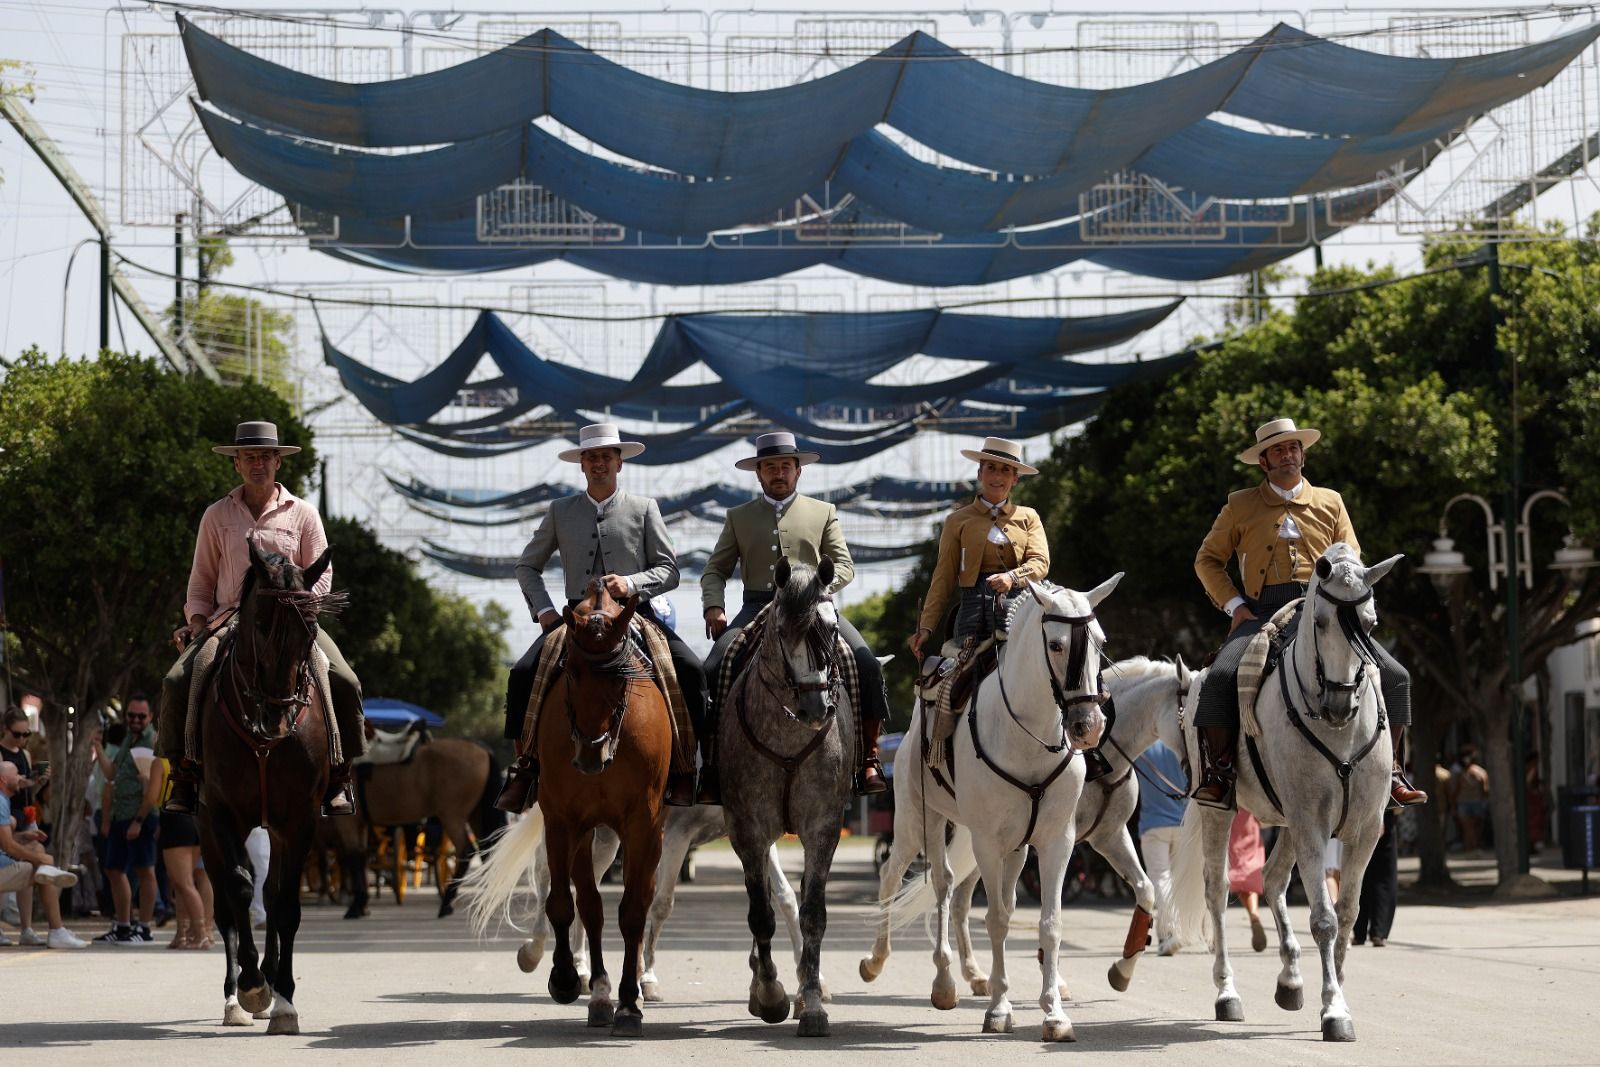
x: 490, y: 887
x: 490, y: 819
x: 916, y: 899
x: 1191, y: 917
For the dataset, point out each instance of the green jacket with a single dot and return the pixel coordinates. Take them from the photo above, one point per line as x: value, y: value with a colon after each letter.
x: 755, y: 539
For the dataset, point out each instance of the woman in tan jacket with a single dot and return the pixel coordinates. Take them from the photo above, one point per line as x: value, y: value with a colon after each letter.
x: 988, y: 550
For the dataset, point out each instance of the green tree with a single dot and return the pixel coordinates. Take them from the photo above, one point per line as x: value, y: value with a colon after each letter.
x: 106, y: 471
x: 244, y: 338
x: 886, y: 621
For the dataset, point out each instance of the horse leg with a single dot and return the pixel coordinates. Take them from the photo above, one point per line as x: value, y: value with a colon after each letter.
x: 961, y: 923
x: 639, y: 862
x: 908, y: 835
x: 1054, y: 854
x: 563, y: 981
x: 768, y: 1000
x: 819, y: 847
x: 227, y: 925
x: 1000, y: 871
x: 455, y: 828
x: 591, y: 912
x: 1214, y: 825
x: 284, y: 917
x: 1356, y: 854
x: 353, y: 861
x: 674, y: 847
x: 531, y: 951
x: 235, y: 889
x: 944, y: 995
x: 1310, y: 848
x: 1119, y: 852
x: 1290, y: 994
x: 788, y: 906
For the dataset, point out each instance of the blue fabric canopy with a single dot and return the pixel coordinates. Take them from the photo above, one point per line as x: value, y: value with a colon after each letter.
x: 691, y: 563
x: 388, y: 713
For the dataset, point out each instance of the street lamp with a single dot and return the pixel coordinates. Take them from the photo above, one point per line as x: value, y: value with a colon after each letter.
x: 1444, y: 566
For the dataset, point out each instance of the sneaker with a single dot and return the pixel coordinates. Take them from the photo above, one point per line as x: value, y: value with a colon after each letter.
x: 26, y: 936
x: 48, y: 875
x: 4, y: 940
x: 142, y: 935
x: 117, y: 935
x: 8, y: 911
x: 61, y: 937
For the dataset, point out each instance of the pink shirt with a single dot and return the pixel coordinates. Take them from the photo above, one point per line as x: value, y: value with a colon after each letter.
x: 288, y: 526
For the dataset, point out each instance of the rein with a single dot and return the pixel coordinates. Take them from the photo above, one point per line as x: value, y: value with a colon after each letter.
x: 789, y: 764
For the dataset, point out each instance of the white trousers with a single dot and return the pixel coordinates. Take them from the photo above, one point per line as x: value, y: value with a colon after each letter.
x: 1157, y: 843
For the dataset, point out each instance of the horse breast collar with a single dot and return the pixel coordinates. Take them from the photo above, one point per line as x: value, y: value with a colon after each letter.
x: 789, y: 764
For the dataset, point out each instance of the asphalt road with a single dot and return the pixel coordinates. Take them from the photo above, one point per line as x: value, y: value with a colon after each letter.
x: 1463, y: 982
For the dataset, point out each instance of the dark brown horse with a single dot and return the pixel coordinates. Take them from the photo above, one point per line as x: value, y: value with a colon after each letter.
x: 605, y: 743
x: 266, y: 741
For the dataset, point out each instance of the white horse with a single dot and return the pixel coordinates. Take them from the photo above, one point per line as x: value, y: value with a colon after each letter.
x: 1145, y: 696
x: 1017, y: 783
x: 1324, y: 749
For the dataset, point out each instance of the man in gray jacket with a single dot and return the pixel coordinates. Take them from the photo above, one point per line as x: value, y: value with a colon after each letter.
x: 620, y: 539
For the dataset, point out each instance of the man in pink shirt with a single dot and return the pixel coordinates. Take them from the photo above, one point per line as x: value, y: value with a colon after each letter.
x: 277, y: 521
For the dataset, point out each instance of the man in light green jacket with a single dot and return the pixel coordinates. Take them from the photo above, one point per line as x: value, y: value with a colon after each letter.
x: 778, y: 524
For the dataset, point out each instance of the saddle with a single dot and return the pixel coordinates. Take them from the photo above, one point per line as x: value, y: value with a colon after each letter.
x: 1260, y: 659
x: 741, y: 651
x: 394, y: 746
x: 948, y: 685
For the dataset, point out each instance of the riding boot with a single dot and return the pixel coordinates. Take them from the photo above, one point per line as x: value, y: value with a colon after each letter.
x: 1217, y: 771
x: 870, y: 781
x: 710, y: 792
x: 340, y: 798
x: 1402, y: 794
x: 521, y: 788
x: 183, y: 797
x: 680, y: 790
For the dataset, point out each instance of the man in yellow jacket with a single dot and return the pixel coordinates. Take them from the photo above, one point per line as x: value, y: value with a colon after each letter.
x: 778, y: 524
x: 1278, y: 530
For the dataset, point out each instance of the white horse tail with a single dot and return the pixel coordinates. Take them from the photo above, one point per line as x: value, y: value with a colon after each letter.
x: 490, y: 886
x: 916, y: 898
x: 1190, y: 915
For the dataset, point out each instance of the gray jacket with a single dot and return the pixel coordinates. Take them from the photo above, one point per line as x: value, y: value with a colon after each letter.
x: 629, y: 539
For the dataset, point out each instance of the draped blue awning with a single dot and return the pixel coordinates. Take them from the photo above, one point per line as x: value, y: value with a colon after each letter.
x: 691, y: 563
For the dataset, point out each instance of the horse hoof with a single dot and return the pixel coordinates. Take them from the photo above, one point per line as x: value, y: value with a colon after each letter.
x: 1230, y: 1010
x: 997, y: 1024
x: 1335, y: 1028
x: 602, y: 1013
x: 814, y: 1024
x: 628, y: 1024
x: 980, y: 987
x: 1118, y: 980
x: 528, y: 957
x: 288, y: 1023
x: 1290, y: 998
x: 1058, y: 1030
x: 651, y: 991
x: 564, y: 989
x: 446, y: 908
x: 776, y: 1012
x: 945, y: 996
x: 868, y: 969
x: 234, y: 1015
x: 583, y: 984
x: 257, y: 999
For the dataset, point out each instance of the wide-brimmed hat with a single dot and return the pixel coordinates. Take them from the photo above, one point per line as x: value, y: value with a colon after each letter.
x: 1275, y: 433
x: 252, y: 435
x: 601, y: 435
x: 775, y: 446
x: 1000, y: 450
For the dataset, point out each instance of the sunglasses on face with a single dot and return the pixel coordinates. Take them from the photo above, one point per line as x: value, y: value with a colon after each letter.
x: 23, y: 736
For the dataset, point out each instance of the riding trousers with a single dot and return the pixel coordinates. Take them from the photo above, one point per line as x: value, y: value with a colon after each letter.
x: 979, y: 613
x: 341, y: 679
x: 691, y: 680
x: 874, y: 692
x: 1219, y: 694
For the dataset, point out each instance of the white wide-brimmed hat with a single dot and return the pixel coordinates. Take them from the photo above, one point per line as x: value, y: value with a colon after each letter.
x: 253, y: 435
x: 776, y: 445
x: 601, y: 435
x: 1000, y: 450
x: 1275, y: 433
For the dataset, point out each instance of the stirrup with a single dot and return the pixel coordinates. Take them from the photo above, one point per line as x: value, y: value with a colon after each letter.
x: 1223, y: 775
x: 870, y: 780
x: 1398, y: 785
x: 710, y: 793
x: 521, y: 787
x: 337, y: 791
x: 680, y: 790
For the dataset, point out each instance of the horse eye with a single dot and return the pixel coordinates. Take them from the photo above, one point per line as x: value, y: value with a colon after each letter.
x: 1055, y: 645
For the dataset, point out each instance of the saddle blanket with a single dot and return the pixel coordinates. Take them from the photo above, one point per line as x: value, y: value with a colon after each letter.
x: 1260, y: 657
x: 652, y: 644
x: 947, y: 685
x: 741, y: 651
x: 200, y: 679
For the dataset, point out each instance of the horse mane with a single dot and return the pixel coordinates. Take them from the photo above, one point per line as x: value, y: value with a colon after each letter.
x: 795, y: 604
x: 1137, y: 669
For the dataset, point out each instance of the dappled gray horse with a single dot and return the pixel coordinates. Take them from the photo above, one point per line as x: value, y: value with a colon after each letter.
x: 785, y: 739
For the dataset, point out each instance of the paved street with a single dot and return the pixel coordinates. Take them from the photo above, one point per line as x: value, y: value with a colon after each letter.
x: 1467, y: 981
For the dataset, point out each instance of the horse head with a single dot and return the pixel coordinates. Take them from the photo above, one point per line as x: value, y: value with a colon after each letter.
x: 1073, y: 645
x: 599, y: 673
x: 277, y: 627
x: 1340, y: 614
x: 802, y: 655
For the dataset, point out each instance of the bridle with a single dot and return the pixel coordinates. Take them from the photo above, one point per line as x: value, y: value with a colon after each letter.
x: 619, y: 664
x: 307, y: 606
x: 821, y: 645
x: 1077, y: 659
x: 1354, y: 633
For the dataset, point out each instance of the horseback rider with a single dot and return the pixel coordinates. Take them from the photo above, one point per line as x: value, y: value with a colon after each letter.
x: 276, y: 520
x: 783, y: 523
x: 988, y: 551
x: 1278, y: 529
x: 620, y: 539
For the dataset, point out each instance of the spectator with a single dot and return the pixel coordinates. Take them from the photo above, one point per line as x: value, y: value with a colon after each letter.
x: 23, y: 865
x: 1380, y: 888
x: 101, y: 749
x: 14, y: 750
x: 1445, y: 791
x: 180, y: 849
x: 1332, y: 857
x: 1472, y: 798
x: 129, y: 824
x: 1246, y: 858
x: 1159, y: 818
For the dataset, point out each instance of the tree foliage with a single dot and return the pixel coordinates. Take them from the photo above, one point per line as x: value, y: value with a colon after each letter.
x: 242, y: 337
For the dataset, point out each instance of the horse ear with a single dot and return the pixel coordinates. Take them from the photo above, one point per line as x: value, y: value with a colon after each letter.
x: 780, y: 576
x: 825, y: 572
x: 313, y: 573
x: 1103, y: 590
x: 1324, y: 568
x: 255, y: 557
x: 1378, y: 570
x: 1183, y: 671
x: 566, y: 615
x: 631, y: 605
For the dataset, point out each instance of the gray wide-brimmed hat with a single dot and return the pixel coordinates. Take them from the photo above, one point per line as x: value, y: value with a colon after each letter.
x: 1275, y: 433
x: 1000, y: 450
x: 255, y: 435
x: 776, y: 446
x: 601, y: 435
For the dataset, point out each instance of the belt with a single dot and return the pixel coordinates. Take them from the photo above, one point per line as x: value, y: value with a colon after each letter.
x: 759, y: 596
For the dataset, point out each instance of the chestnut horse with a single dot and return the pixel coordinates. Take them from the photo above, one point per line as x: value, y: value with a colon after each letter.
x: 265, y: 735
x: 605, y: 745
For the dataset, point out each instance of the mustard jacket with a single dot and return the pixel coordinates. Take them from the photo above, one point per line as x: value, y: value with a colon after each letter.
x: 961, y: 551
x: 754, y: 538
x: 1247, y: 527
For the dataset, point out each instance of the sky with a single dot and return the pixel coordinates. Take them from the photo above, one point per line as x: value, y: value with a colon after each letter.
x: 88, y: 102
